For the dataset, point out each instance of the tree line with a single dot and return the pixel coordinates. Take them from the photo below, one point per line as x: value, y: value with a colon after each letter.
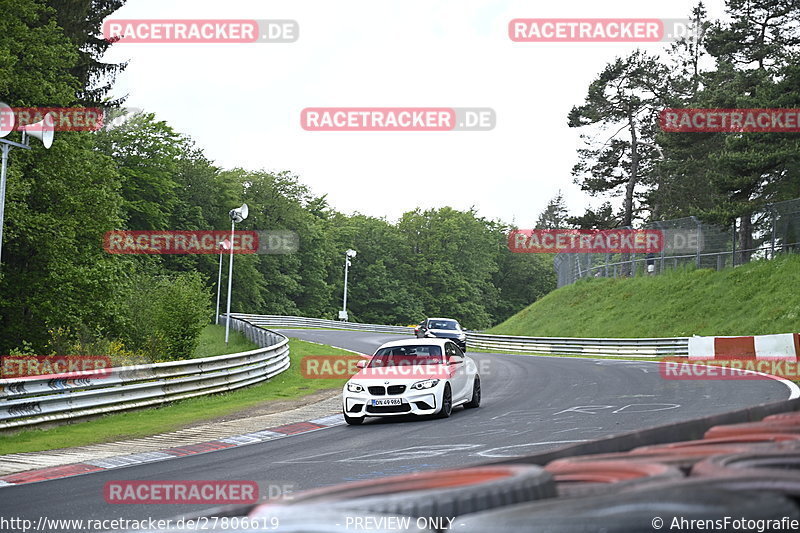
x: 748, y: 61
x: 61, y: 293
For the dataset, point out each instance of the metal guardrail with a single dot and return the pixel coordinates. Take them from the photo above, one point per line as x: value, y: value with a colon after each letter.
x: 282, y: 321
x: 25, y: 402
x: 619, y: 347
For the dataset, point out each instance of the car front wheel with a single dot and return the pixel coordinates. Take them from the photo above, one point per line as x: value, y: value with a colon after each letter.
x: 476, y: 394
x: 447, y: 403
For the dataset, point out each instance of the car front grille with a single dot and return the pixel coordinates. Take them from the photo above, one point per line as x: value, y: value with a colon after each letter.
x: 392, y: 389
x: 378, y: 409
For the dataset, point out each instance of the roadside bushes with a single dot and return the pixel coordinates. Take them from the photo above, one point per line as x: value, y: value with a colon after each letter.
x: 163, y: 315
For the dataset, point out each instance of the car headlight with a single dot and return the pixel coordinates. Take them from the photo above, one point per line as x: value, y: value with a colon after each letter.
x: 429, y: 334
x: 462, y: 337
x: 427, y: 384
x: 354, y: 387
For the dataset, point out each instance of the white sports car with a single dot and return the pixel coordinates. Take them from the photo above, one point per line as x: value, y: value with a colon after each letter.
x: 419, y: 377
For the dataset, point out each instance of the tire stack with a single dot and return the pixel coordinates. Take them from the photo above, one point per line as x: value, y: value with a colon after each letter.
x: 738, y: 477
x: 745, y: 472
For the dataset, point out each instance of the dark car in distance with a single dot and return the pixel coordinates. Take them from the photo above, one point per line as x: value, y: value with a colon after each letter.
x: 442, y: 328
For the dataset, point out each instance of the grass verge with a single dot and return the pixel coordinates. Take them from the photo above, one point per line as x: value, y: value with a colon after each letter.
x: 212, y: 342
x: 288, y: 385
x: 753, y: 299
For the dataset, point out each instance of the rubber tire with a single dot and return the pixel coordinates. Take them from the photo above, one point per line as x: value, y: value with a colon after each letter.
x: 737, y: 430
x: 474, y: 402
x: 787, y: 417
x: 442, y: 412
x: 623, y: 512
x: 756, y: 440
x: 354, y: 420
x: 438, y: 493
x: 683, y: 458
x: 754, y: 461
x: 605, y: 472
x: 745, y: 480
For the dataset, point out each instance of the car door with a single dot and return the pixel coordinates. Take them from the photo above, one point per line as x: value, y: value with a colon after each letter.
x: 458, y: 377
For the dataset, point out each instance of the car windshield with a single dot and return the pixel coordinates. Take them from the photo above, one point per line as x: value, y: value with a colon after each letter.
x: 407, y: 355
x: 443, y: 324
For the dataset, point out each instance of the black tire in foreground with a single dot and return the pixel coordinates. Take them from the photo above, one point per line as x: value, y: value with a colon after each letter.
x: 634, y: 512
x: 443, y: 493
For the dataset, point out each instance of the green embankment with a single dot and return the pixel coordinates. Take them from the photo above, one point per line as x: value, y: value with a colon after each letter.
x: 758, y: 298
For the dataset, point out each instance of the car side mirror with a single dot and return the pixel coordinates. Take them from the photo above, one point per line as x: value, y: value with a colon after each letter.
x: 361, y: 364
x: 454, y: 360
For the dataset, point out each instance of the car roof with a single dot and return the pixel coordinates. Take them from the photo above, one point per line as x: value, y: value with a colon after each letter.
x: 434, y: 318
x: 416, y: 342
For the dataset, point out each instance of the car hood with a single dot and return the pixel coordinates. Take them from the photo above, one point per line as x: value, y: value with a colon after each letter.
x: 403, y: 374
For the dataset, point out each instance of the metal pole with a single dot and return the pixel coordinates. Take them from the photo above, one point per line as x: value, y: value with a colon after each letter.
x: 230, y: 282
x: 219, y: 283
x: 733, y: 252
x: 774, y: 223
x: 663, y: 248
x: 344, y: 299
x: 697, y: 241
x: 6, y: 148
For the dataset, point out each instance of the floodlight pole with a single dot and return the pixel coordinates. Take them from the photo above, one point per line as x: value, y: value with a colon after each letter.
x: 219, y: 282
x: 6, y: 148
x: 230, y: 284
x: 344, y: 298
x: 348, y: 254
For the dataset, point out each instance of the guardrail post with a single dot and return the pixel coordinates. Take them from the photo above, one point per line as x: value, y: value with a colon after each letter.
x: 697, y: 241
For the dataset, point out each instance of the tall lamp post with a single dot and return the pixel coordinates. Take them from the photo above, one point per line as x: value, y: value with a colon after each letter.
x: 347, y: 256
x: 42, y: 130
x: 223, y: 245
x: 237, y: 215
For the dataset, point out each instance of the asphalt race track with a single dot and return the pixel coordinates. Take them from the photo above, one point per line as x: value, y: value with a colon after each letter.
x: 530, y: 404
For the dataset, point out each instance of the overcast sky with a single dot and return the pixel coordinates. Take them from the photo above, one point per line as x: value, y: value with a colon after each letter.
x: 241, y: 102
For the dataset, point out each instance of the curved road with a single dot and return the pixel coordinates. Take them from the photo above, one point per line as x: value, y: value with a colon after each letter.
x: 530, y: 404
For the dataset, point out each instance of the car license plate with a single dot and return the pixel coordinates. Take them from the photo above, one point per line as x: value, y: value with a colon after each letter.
x: 388, y: 401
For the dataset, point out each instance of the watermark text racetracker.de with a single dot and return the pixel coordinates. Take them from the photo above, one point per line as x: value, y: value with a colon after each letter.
x: 599, y: 30
x: 585, y: 241
x: 61, y: 367
x: 181, y: 492
x: 693, y: 120
x: 412, y: 367
x: 63, y: 118
x: 210, y: 31
x: 201, y: 242
x: 397, y: 119
x: 730, y: 368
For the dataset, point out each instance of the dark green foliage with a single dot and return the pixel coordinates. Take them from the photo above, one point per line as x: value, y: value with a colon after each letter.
x: 163, y: 316
x: 749, y: 61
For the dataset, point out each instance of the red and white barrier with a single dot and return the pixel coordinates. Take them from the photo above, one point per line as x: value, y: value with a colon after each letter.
x: 782, y: 346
